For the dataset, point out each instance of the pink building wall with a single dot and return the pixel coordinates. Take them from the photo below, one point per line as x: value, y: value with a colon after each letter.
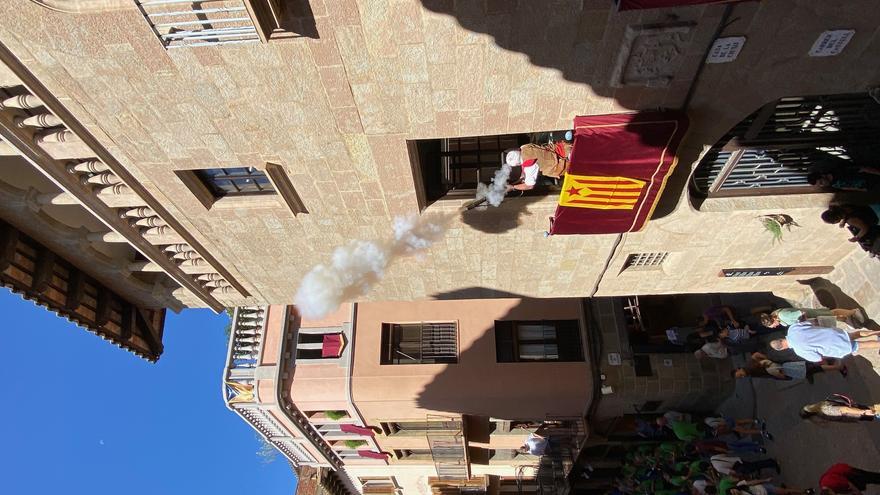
x: 477, y: 384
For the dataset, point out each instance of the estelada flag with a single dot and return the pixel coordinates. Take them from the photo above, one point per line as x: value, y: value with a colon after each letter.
x: 619, y: 166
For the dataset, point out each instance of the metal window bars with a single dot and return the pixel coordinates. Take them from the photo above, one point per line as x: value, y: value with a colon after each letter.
x: 424, y: 343
x: 644, y: 260
x: 188, y: 23
x: 776, y: 147
x: 448, y: 450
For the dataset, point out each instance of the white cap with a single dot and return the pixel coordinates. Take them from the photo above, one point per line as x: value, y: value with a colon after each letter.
x: 514, y: 158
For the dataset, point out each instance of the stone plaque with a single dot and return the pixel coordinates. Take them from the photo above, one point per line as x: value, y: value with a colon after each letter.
x: 651, y: 54
x: 831, y: 43
x: 725, y: 49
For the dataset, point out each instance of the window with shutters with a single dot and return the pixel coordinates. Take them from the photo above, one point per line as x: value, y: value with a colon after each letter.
x: 538, y: 341
x: 420, y: 343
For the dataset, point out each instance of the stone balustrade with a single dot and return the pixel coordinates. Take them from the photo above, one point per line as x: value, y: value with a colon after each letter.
x: 41, y: 130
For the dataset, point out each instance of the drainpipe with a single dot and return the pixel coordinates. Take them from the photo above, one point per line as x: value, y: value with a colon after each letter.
x: 721, y: 26
x: 348, y: 392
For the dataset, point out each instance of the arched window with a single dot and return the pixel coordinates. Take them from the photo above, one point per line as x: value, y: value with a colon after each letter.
x: 773, y: 150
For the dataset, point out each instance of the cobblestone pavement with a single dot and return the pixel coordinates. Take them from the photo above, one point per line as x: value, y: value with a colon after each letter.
x: 805, y: 449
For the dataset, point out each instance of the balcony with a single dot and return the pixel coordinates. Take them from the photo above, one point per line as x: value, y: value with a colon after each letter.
x: 239, y: 383
x: 36, y: 126
x: 449, y: 451
x: 191, y: 23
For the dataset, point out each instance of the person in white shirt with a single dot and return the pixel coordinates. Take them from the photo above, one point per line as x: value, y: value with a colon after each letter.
x: 714, y: 350
x: 534, y: 445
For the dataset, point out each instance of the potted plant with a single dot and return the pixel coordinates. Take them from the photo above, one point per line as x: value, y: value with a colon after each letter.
x: 353, y: 444
x: 335, y: 415
x: 774, y: 224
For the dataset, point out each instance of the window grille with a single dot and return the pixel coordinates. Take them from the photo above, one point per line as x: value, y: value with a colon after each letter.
x: 239, y: 181
x: 184, y: 23
x: 645, y: 260
x: 778, y: 146
x: 419, y: 343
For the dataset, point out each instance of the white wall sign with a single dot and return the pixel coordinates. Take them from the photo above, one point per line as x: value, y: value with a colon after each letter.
x: 831, y: 43
x: 725, y: 49
x: 667, y: 363
x: 614, y: 359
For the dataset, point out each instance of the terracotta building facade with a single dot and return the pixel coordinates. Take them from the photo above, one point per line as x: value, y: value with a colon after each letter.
x: 408, y: 396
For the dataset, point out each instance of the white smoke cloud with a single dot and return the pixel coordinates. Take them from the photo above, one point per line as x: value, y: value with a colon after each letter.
x: 494, y: 192
x: 356, y: 267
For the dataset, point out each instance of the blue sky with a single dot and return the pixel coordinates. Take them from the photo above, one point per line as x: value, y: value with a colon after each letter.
x: 85, y: 417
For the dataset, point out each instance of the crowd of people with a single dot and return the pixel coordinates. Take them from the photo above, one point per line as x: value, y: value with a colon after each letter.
x: 694, y: 455
x: 862, y: 220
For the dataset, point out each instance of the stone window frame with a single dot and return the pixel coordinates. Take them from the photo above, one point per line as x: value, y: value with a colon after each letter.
x: 648, y: 261
x: 283, y: 189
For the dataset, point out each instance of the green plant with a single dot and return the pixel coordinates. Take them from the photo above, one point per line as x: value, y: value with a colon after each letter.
x: 353, y: 444
x: 335, y: 415
x: 775, y: 222
x: 228, y: 329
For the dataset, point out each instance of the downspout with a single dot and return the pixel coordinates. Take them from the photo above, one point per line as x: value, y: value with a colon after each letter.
x: 348, y: 391
x: 722, y: 24
x: 279, y: 396
x: 608, y: 261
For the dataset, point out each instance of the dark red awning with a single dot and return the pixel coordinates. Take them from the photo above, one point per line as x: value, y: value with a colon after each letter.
x: 619, y: 166
x: 331, y: 346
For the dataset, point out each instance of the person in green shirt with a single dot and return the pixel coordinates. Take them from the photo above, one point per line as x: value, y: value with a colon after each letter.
x: 725, y: 484
x: 790, y: 316
x: 685, y: 430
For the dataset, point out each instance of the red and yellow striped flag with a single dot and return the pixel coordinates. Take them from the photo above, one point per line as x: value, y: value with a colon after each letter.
x: 618, y: 170
x: 601, y: 193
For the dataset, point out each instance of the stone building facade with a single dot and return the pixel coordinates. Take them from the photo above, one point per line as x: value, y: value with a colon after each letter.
x: 332, y: 104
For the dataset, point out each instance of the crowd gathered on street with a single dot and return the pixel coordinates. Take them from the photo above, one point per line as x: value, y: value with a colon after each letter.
x: 691, y: 454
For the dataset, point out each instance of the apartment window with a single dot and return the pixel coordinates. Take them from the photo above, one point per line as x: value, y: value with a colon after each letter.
x: 451, y: 168
x: 238, y: 181
x: 243, y: 187
x: 379, y: 484
x: 419, y: 343
x: 645, y: 261
x: 419, y: 428
x: 413, y: 454
x: 180, y: 24
x: 536, y: 341
x: 318, y: 346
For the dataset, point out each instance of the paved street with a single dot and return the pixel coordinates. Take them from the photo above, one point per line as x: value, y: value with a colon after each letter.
x: 806, y: 449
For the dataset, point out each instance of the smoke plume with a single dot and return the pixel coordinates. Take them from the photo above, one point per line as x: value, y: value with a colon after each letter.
x: 356, y: 267
x: 494, y: 192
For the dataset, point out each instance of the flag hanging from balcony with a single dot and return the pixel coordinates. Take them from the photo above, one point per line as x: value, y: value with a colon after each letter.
x: 619, y: 166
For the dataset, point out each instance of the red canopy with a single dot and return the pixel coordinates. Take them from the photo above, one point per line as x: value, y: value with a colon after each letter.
x: 372, y: 455
x: 331, y: 346
x: 360, y: 430
x: 619, y: 166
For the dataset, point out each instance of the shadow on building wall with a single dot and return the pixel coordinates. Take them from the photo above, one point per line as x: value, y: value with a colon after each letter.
x: 501, y: 219
x: 830, y: 295
x: 556, y: 34
x: 480, y: 386
x: 476, y: 293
